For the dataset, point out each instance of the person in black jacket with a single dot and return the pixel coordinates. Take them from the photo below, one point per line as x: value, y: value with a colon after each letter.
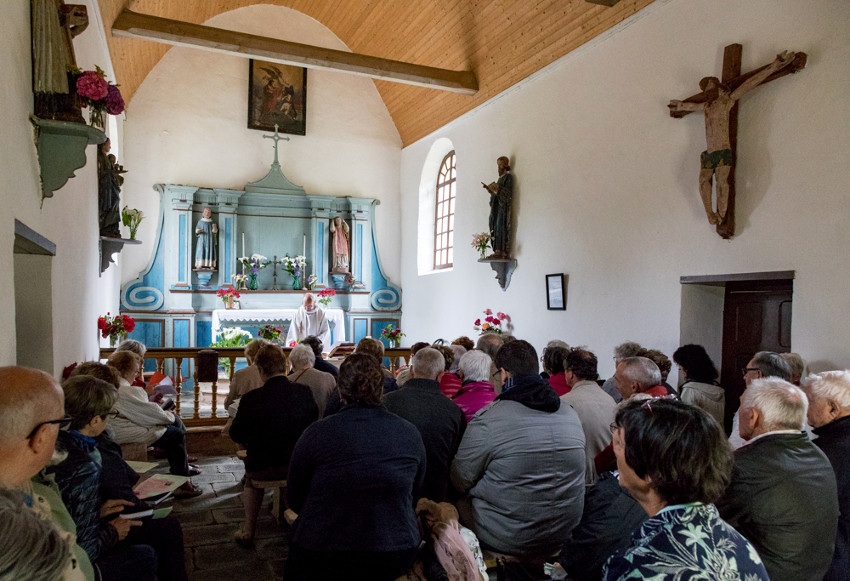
x: 439, y: 420
x: 316, y: 345
x: 269, y: 422
x: 352, y: 480
x: 829, y: 415
x: 782, y: 496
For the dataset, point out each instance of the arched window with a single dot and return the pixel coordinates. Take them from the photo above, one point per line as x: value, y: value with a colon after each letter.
x: 444, y: 223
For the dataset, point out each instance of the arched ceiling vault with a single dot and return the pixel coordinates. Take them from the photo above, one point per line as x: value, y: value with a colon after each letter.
x: 501, y: 41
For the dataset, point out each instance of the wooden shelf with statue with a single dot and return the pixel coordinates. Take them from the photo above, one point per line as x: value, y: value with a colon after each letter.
x: 110, y: 178
x: 61, y: 90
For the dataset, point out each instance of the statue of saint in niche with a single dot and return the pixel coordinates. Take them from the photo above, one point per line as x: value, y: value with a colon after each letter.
x: 205, y: 257
x: 340, y: 231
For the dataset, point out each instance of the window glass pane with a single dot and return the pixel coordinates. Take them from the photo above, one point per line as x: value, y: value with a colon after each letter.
x: 451, y: 256
x: 451, y: 239
x: 452, y: 189
x: 452, y: 222
x: 452, y: 206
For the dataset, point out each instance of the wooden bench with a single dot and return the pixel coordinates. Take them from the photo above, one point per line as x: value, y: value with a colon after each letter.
x: 278, y: 486
x: 135, y: 451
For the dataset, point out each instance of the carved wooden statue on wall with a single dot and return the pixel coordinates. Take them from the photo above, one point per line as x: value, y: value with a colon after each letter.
x: 501, y: 199
x: 109, y: 182
x: 54, y: 25
x: 719, y: 102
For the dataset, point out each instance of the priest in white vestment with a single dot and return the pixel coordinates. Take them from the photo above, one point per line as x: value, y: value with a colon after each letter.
x: 309, y: 320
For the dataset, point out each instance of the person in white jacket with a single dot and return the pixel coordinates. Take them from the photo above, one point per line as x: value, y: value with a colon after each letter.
x: 141, y: 420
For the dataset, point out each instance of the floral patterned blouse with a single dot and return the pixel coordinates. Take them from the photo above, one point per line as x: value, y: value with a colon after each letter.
x: 687, y: 541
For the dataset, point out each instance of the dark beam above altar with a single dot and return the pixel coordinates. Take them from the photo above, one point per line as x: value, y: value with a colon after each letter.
x: 178, y: 33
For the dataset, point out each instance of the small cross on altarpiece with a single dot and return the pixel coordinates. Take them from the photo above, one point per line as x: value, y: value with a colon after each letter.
x: 276, y: 138
x: 719, y: 102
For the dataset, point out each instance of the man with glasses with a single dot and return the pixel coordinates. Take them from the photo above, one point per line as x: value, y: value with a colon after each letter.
x: 763, y: 364
x: 31, y: 414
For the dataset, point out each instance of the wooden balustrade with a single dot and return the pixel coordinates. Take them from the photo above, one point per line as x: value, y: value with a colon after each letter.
x: 177, y: 355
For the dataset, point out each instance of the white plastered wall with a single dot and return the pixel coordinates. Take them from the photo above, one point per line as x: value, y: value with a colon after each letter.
x: 187, y: 125
x: 606, y: 183
x: 69, y: 219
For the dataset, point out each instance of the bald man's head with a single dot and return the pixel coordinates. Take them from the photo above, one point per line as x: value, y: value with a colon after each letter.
x: 27, y: 398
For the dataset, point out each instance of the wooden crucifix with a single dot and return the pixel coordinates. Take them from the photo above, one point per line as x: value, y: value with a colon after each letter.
x: 718, y: 100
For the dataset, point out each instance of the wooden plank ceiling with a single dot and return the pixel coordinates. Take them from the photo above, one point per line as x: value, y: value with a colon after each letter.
x: 501, y: 41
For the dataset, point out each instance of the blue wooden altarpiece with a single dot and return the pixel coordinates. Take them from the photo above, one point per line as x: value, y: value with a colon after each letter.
x: 173, y: 309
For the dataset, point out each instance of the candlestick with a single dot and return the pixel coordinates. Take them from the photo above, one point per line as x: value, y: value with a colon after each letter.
x: 304, y: 247
x: 243, y: 252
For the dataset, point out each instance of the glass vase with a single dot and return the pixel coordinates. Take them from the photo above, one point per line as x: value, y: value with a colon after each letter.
x: 296, y: 283
x: 252, y: 281
x: 97, y: 118
x: 116, y: 338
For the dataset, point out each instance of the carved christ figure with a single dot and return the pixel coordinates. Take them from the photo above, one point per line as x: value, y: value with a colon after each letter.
x: 339, y: 229
x: 718, y: 159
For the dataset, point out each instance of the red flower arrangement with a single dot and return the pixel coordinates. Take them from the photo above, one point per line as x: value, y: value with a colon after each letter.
x: 115, y: 327
x: 491, y: 323
x: 226, y: 293
x: 99, y: 94
x: 325, y: 296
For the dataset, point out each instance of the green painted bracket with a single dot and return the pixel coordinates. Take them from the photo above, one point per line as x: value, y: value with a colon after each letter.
x: 503, y: 267
x: 61, y: 149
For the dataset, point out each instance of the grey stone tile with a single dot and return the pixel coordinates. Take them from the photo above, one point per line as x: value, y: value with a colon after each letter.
x: 209, y: 476
x: 267, y: 527
x: 276, y: 548
x: 250, y: 571
x: 195, y: 518
x: 222, y: 555
x: 226, y: 515
x: 208, y: 535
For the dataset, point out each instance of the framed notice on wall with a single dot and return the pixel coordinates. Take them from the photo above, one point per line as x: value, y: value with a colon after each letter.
x: 277, y: 95
x: 556, y: 297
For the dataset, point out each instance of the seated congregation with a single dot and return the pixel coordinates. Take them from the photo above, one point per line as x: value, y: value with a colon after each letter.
x: 468, y: 455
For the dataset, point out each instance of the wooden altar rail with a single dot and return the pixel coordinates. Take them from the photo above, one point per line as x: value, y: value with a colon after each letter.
x: 179, y: 354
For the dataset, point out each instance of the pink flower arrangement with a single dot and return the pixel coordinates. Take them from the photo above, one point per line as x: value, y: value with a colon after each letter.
x: 491, y: 323
x: 99, y: 94
x: 92, y: 85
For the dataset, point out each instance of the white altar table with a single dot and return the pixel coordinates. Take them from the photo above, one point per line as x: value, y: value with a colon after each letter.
x: 280, y: 317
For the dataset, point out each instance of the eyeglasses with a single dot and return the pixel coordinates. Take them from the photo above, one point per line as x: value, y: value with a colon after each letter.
x: 614, y: 427
x: 113, y: 414
x: 496, y: 373
x: 63, y: 423
x: 746, y: 370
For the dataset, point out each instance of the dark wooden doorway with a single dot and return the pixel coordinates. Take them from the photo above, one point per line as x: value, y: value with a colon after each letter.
x: 756, y: 317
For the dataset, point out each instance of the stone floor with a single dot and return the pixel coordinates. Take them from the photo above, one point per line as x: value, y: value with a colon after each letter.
x: 210, y: 520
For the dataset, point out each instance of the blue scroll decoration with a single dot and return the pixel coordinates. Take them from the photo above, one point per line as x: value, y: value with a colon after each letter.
x: 143, y: 293
x: 385, y: 296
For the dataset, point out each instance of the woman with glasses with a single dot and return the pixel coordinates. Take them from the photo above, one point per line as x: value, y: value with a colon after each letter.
x: 675, y: 461
x: 142, y: 420
x: 90, y: 404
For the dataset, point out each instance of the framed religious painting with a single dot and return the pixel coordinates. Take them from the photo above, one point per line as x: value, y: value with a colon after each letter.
x: 277, y: 95
x: 556, y: 296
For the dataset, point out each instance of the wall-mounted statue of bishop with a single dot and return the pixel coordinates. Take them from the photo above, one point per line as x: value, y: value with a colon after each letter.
x: 501, y: 199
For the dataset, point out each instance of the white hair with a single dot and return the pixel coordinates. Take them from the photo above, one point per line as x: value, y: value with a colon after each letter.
x: 831, y: 386
x: 30, y: 547
x: 136, y: 347
x: 642, y: 370
x: 428, y: 363
x: 459, y: 351
x: 302, y: 356
x: 782, y: 405
x: 475, y: 366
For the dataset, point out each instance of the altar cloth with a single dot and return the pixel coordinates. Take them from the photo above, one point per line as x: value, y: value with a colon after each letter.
x: 278, y: 317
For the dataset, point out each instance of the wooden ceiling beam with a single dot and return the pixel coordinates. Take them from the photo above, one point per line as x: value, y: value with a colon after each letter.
x: 175, y: 32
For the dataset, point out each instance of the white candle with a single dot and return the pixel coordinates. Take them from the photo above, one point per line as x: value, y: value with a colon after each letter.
x: 304, y: 247
x: 243, y: 252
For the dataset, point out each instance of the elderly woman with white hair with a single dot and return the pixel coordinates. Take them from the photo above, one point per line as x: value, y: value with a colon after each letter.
x: 476, y: 390
x: 302, y: 358
x: 829, y: 415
